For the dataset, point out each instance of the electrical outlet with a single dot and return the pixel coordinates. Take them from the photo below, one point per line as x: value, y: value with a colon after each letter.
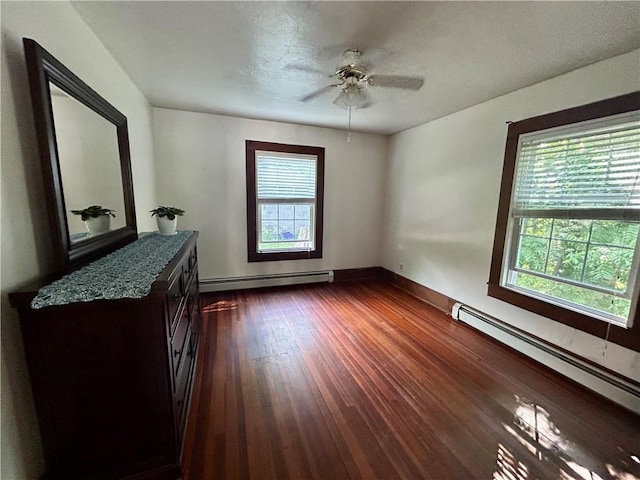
x: 402, y: 267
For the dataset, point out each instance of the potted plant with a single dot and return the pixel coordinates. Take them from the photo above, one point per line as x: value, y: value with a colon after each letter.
x: 96, y: 218
x: 167, y: 220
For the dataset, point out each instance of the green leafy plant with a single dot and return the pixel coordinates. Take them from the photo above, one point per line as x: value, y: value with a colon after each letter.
x: 169, y: 212
x: 94, y: 211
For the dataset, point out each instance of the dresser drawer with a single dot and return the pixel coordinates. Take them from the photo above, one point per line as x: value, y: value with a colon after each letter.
x: 193, y: 258
x: 194, y: 301
x: 175, y: 296
x: 178, y: 344
x: 186, y: 276
x: 184, y: 378
x: 188, y: 268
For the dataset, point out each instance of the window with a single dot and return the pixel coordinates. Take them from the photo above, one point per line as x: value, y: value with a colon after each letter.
x: 285, y: 186
x: 566, y: 243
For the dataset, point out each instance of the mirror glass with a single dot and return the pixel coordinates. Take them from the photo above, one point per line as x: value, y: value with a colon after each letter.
x: 89, y: 166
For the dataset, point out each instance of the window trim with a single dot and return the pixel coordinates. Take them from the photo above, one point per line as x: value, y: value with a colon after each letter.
x: 252, y: 232
x: 626, y: 337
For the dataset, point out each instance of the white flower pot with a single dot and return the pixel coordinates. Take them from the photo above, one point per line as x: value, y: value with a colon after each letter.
x: 166, y: 226
x: 98, y: 225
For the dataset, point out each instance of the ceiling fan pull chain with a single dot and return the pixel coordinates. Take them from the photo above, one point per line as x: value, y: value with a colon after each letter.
x: 349, y: 130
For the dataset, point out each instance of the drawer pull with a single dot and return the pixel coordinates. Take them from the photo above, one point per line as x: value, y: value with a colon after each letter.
x: 176, y: 296
x: 177, y: 352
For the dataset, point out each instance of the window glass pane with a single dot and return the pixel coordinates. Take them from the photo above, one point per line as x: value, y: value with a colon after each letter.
x: 285, y: 212
x: 578, y: 254
x: 303, y: 229
x: 269, y: 230
x: 608, y: 267
x: 539, y: 227
x: 604, y: 266
x: 603, y: 302
x: 611, y: 232
x: 269, y: 212
x: 286, y: 230
x: 566, y: 259
x: 302, y: 212
x: 532, y: 254
x: 571, y: 229
x: 280, y: 231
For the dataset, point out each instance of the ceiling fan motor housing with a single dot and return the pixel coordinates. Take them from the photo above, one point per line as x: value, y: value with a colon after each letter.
x: 350, y: 67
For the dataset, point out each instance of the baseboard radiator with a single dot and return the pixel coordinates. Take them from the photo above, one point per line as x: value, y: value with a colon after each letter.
x: 616, y: 388
x: 275, y: 280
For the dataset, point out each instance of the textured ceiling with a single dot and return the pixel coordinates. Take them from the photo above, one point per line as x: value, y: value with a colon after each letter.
x: 259, y: 59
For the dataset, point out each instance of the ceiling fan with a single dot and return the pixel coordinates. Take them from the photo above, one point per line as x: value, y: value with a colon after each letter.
x: 353, y: 79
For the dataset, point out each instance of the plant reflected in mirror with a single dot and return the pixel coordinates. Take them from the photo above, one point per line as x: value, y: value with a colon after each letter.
x: 89, y: 161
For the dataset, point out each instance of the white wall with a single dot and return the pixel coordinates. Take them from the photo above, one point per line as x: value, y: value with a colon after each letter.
x: 201, y: 168
x: 442, y: 196
x: 25, y: 246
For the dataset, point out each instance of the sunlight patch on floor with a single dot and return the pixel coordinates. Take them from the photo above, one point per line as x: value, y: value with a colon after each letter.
x: 220, y: 306
x: 533, y: 429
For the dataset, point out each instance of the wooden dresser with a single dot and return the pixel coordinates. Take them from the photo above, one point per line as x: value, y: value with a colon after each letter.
x: 112, y: 379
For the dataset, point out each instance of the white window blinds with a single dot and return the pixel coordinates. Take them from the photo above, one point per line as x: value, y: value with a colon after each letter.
x: 580, y: 173
x: 290, y: 176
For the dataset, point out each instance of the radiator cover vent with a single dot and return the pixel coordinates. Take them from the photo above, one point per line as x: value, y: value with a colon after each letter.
x: 274, y: 280
x: 604, y: 382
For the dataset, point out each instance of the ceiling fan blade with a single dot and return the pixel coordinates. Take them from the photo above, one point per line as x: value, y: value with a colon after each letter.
x: 396, y: 81
x: 317, y: 93
x: 302, y: 68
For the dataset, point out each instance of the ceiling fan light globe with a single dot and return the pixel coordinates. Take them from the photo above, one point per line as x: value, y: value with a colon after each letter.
x: 360, y: 99
x: 351, y: 96
x: 341, y: 100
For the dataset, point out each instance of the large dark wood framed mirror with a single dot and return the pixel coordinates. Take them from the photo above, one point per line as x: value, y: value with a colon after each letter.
x: 84, y: 149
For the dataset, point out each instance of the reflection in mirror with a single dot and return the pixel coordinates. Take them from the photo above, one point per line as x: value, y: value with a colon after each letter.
x: 89, y: 165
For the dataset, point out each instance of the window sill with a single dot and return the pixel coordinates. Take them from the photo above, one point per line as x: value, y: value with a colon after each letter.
x: 277, y: 256
x: 555, y: 302
x: 625, y: 337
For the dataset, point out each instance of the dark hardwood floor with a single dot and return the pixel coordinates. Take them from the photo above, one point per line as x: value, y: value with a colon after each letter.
x: 361, y: 380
